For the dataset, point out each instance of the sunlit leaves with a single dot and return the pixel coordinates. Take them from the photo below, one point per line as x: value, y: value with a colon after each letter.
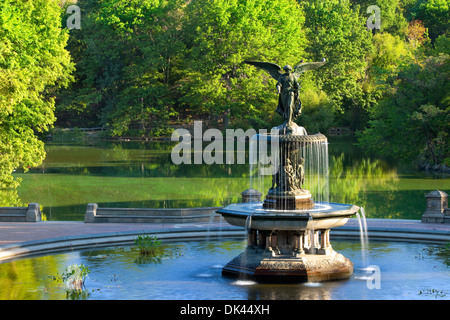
x: 412, y: 121
x: 33, y: 62
x: 219, y: 37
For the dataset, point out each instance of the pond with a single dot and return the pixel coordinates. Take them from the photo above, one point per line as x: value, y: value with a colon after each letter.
x: 142, y: 174
x: 192, y: 270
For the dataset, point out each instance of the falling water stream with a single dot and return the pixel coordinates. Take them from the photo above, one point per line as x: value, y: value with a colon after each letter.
x: 264, y: 162
x: 366, y: 232
x: 210, y: 224
x: 363, y: 234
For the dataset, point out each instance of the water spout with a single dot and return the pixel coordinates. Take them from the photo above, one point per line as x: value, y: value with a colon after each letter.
x: 248, y: 223
x: 211, y: 218
x: 210, y: 223
x: 363, y: 234
x: 366, y: 232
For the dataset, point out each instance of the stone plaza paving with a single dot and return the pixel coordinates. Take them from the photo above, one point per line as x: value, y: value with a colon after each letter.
x: 16, y: 232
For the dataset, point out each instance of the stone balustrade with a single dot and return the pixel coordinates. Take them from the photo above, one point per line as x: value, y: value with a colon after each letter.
x: 32, y: 213
x: 95, y: 214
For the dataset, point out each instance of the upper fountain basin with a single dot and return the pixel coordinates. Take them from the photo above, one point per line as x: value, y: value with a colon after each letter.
x: 323, y: 216
x: 305, y: 139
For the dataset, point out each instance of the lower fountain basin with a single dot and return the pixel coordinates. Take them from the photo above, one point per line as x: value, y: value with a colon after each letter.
x: 289, y: 245
x: 322, y: 216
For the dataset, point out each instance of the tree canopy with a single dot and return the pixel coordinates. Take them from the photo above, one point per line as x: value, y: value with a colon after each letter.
x: 33, y: 64
x: 338, y: 32
x: 143, y: 63
x: 143, y: 67
x: 220, y: 37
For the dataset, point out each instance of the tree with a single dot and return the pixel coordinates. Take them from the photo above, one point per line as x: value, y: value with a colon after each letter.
x: 338, y: 33
x: 391, y: 53
x: 33, y: 64
x: 412, y: 121
x: 130, y: 50
x: 442, y: 45
x: 434, y: 14
x: 220, y: 35
x: 392, y: 15
x: 317, y: 114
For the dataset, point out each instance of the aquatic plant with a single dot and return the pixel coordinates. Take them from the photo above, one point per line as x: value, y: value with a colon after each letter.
x: 441, y: 251
x: 75, y: 276
x: 433, y: 292
x: 147, y: 244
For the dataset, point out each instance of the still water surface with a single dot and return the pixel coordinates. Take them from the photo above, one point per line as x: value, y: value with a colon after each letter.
x: 192, y: 270
x: 142, y: 174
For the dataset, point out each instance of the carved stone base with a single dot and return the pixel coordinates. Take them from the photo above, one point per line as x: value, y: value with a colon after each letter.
x: 263, y: 267
x: 288, y: 202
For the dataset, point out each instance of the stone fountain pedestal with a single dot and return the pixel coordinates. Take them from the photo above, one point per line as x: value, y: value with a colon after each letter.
x: 289, y: 200
x: 289, y: 246
x: 289, y: 232
x: 283, y: 257
x: 285, y: 268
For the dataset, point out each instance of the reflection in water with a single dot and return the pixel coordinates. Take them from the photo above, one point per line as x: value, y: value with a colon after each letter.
x: 192, y: 270
x: 350, y: 183
x: 30, y: 279
x: 141, y: 174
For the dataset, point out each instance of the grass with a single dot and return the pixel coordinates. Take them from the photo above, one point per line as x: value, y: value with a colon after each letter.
x: 66, y: 190
x: 110, y: 176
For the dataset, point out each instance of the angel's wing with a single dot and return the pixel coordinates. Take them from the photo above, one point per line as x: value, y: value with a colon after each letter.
x: 302, y: 67
x: 272, y: 68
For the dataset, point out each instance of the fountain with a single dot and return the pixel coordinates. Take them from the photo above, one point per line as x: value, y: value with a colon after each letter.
x: 288, y: 233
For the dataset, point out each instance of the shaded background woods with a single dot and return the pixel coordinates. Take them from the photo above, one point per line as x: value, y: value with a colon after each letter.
x: 140, y: 68
x: 145, y: 67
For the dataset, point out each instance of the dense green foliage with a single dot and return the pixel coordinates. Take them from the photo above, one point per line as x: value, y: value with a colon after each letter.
x: 339, y: 33
x: 125, y: 52
x: 33, y: 63
x: 410, y: 120
x: 413, y: 117
x: 219, y: 37
x: 433, y: 13
x: 143, y: 67
x: 143, y: 64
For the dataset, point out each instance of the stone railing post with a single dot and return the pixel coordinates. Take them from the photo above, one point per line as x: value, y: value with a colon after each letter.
x: 91, y: 212
x: 33, y: 213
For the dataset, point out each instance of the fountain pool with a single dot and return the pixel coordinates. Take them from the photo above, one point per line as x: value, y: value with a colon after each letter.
x: 193, y: 270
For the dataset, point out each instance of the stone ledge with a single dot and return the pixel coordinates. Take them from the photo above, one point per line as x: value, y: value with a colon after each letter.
x: 94, y: 214
x: 395, y: 230
x: 63, y: 244
x: 81, y: 235
x: 32, y: 213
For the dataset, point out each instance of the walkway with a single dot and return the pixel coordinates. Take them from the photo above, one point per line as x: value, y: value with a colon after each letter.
x: 25, y: 238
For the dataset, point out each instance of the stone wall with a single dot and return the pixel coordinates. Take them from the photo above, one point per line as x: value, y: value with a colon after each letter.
x: 94, y: 214
x: 32, y: 213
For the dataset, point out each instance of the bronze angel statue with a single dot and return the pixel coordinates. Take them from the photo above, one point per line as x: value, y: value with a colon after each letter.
x: 288, y: 86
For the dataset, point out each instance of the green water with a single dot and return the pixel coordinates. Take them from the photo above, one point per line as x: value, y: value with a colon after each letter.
x: 142, y: 174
